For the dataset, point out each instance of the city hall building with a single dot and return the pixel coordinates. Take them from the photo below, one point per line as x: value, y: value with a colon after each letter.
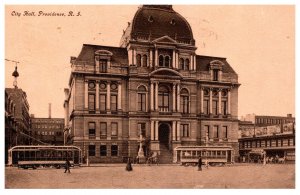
x: 153, y: 89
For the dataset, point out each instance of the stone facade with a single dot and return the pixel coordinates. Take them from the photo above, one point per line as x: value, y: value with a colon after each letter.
x: 154, y: 84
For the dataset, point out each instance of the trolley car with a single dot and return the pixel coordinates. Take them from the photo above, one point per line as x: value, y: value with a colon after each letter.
x: 35, y: 156
x: 213, y: 155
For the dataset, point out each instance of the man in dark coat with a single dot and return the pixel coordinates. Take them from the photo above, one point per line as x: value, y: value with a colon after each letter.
x: 67, y: 166
x: 200, y: 164
x: 128, y: 165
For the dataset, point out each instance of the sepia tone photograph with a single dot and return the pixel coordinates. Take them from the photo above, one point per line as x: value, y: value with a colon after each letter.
x: 149, y: 96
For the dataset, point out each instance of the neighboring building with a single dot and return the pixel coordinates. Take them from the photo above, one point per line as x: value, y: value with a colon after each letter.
x: 17, y: 120
x: 22, y: 119
x: 47, y: 131
x: 273, y: 135
x: 10, y: 124
x: 154, y: 84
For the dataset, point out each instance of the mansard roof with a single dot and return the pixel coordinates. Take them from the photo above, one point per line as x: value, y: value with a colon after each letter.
x: 203, y: 62
x: 119, y: 55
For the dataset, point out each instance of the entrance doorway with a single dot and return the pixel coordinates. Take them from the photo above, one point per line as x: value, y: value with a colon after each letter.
x: 164, y: 134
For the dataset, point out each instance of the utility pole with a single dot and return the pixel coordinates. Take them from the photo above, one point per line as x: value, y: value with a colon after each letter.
x: 15, y: 73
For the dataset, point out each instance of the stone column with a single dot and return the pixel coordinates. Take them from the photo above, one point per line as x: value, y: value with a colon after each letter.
x: 134, y: 57
x: 152, y: 130
x: 176, y: 60
x: 151, y: 58
x: 201, y: 100
x: 173, y: 59
x: 156, y: 130
x: 229, y: 102
x: 195, y: 64
x: 86, y: 94
x: 120, y: 95
x: 174, y: 97
x: 130, y: 57
x: 151, y: 97
x: 97, y: 63
x: 191, y: 62
x: 156, y: 57
x: 97, y: 95
x: 178, y: 98
x: 108, y: 96
x: 156, y: 96
x: 178, y: 130
x: 173, y: 130
x: 219, y: 102
x: 210, y: 101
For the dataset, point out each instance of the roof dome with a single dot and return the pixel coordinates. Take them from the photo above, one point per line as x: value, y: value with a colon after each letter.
x: 154, y: 21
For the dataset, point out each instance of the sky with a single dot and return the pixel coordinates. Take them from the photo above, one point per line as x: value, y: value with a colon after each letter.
x: 257, y: 40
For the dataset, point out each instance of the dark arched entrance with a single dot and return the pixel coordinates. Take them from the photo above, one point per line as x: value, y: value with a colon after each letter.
x: 164, y: 134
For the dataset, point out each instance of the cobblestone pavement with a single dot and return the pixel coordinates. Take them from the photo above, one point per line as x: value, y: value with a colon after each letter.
x: 252, y: 176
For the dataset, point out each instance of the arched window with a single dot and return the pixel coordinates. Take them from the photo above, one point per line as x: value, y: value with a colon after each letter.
x: 187, y: 64
x: 167, y: 61
x: 181, y: 63
x: 161, y: 60
x: 141, y: 99
x: 138, y: 60
x: 184, y: 101
x: 163, y: 99
x: 144, y: 60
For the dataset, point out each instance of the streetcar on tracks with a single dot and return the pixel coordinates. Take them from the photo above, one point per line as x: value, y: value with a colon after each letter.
x: 213, y: 155
x: 44, y: 155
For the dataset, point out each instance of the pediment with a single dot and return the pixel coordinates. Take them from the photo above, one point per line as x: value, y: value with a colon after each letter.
x: 164, y: 39
x: 162, y: 72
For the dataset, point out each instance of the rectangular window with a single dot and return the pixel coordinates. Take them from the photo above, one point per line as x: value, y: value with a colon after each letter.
x: 215, y: 131
x: 102, y: 102
x: 206, y: 107
x: 142, y: 129
x: 215, y: 75
x: 92, y: 129
x: 215, y: 107
x: 103, y: 129
x: 92, y: 102
x: 114, y: 150
x: 103, y: 65
x: 184, y: 103
x: 103, y: 150
x: 224, y: 132
x: 223, y: 107
x: 207, y: 132
x: 114, y: 129
x: 92, y: 150
x: 113, y: 103
x: 141, y: 102
x: 185, y: 130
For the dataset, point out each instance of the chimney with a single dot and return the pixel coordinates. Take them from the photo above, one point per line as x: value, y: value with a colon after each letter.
x: 49, y: 110
x: 289, y: 115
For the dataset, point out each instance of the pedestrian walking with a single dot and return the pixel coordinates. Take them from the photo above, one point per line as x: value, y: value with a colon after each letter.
x: 128, y: 165
x: 200, y: 164
x: 67, y: 166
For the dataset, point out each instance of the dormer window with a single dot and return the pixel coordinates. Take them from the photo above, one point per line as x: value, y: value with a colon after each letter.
x: 103, y: 60
x: 215, y: 68
x: 150, y: 19
x: 173, y: 22
x: 215, y: 75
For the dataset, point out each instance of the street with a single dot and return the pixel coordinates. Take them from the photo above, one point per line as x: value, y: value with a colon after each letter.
x: 253, y: 176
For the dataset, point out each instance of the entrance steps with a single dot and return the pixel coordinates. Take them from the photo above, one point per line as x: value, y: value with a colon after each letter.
x: 165, y: 156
